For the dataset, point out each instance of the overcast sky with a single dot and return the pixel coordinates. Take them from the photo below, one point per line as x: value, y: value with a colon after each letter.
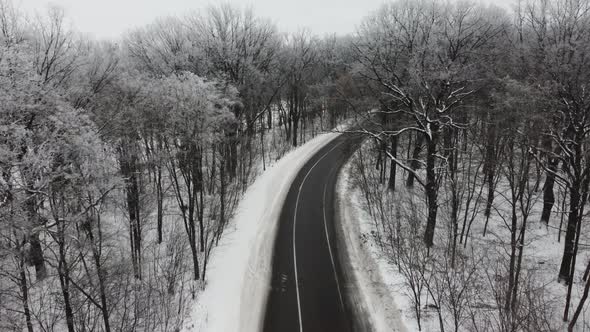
x: 111, y: 18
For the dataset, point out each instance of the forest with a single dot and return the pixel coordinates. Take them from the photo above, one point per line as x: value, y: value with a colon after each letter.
x: 477, y: 179
x: 122, y: 162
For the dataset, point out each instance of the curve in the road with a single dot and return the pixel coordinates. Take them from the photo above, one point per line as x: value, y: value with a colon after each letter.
x: 307, y: 293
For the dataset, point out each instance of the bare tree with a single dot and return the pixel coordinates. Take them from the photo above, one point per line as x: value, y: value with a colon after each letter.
x: 55, y: 48
x: 399, y: 50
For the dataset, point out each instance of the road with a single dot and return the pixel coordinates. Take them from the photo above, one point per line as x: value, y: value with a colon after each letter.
x: 308, y: 286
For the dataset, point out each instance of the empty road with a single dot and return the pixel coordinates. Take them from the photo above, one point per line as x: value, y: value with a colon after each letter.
x: 308, y: 286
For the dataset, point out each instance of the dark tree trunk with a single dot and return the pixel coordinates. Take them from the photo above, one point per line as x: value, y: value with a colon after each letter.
x: 383, y: 166
x: 512, y: 264
x: 96, y: 255
x: 548, y: 195
x: 25, y: 293
x: 586, y: 272
x: 159, y: 202
x: 295, y: 129
x: 393, y: 167
x: 431, y: 187
x: 295, y: 114
x: 201, y: 221
x: 130, y: 172
x: 572, y: 268
x: 36, y: 258
x: 195, y: 254
x: 222, y: 193
x: 64, y: 278
x: 490, y: 175
x: 455, y: 222
x: 288, y: 126
x: 159, y: 191
x: 580, y: 304
x: 490, y: 168
x: 35, y: 253
x: 198, y: 188
x: 233, y: 157
x: 192, y: 188
x: 222, y: 198
x: 415, y: 162
x: 570, y: 235
x: 269, y: 117
x: 449, y: 153
x: 490, y: 199
x: 521, y: 239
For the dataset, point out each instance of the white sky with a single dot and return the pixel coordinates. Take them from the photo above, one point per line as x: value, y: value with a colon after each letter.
x: 111, y: 18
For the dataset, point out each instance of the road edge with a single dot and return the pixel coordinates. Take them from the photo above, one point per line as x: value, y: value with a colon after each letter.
x: 367, y: 294
x: 257, y: 283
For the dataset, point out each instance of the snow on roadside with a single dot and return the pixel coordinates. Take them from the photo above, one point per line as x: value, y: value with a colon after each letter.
x: 380, y: 283
x: 239, y: 272
x: 379, y: 287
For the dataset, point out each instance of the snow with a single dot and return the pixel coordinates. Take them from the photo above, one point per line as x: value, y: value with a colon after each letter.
x: 239, y: 274
x: 384, y: 291
x: 378, y: 288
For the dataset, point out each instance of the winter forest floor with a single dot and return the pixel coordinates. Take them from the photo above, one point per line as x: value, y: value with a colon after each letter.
x: 230, y: 293
x: 406, y: 287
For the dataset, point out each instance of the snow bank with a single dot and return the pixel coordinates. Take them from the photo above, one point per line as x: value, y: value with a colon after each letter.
x: 239, y: 274
x: 374, y: 282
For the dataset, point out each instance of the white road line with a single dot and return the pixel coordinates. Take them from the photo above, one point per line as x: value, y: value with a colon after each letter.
x: 328, y: 241
x: 294, y: 229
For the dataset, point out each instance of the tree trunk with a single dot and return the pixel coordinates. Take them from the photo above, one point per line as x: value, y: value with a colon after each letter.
x: 36, y: 258
x: 195, y: 255
x: 449, y: 153
x: 198, y: 187
x: 415, y: 163
x: 159, y: 202
x: 192, y: 208
x: 512, y: 263
x: 130, y: 171
x: 295, y: 129
x: 99, y: 272
x: 580, y: 305
x: 431, y: 188
x: 570, y: 235
x: 548, y: 195
x: 159, y: 191
x: 490, y: 168
x: 25, y: 293
x: 35, y: 253
x: 64, y: 278
x: 454, y: 222
x: 393, y: 167
x: 383, y: 166
x: 580, y: 214
x: 520, y: 244
x: 269, y: 117
x: 490, y: 175
x: 222, y: 198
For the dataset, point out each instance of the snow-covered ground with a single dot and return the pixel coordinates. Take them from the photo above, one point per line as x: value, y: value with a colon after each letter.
x: 384, y: 291
x: 377, y: 285
x: 240, y: 267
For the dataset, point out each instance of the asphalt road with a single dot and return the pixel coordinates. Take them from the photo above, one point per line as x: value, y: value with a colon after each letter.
x: 308, y: 287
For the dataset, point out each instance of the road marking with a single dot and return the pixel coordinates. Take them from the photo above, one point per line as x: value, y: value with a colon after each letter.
x: 328, y: 240
x: 294, y: 229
